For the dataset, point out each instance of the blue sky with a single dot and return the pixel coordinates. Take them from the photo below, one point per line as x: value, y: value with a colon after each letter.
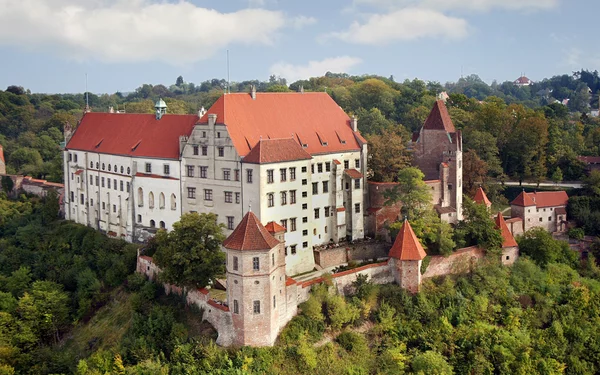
x: 49, y: 45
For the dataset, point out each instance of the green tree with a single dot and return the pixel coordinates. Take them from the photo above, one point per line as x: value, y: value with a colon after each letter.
x: 539, y: 245
x: 411, y: 191
x: 477, y: 228
x: 190, y: 255
x: 387, y: 154
x: 557, y: 175
x: 591, y: 183
x: 431, y: 363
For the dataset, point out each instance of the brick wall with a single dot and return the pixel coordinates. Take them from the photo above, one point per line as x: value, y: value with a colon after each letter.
x: 458, y: 262
x: 357, y: 251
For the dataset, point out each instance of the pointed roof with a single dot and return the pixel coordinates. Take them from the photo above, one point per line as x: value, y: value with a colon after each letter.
x: 2, y: 160
x: 481, y: 198
x: 508, y: 240
x: 275, y: 151
x: 312, y: 118
x: 250, y: 234
x: 407, y: 245
x: 523, y: 200
x: 439, y: 118
x: 272, y: 227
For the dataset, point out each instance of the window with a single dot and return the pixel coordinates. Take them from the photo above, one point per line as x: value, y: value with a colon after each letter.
x: 283, y: 198
x: 114, y: 208
x: 320, y: 167
x: 236, y: 174
x: 191, y: 192
x: 108, y: 182
x: 270, y: 173
x: 166, y: 169
x: 97, y: 179
x: 161, y: 201
x: 229, y: 222
x: 304, y: 182
x: 549, y: 218
x: 292, y: 174
x: 97, y: 165
x: 325, y: 186
x: 315, y: 188
x: 203, y: 172
x: 255, y: 264
x: 327, y: 166
x: 203, y: 134
x: 326, y: 211
x: 346, y: 164
x: 541, y: 219
x: 75, y: 155
x: 218, y: 134
x: 128, y: 170
x: 449, y: 186
x: 91, y: 165
x: 249, y: 176
x: 162, y: 225
x: 221, y: 151
x: 121, y: 185
x: 273, y: 259
x: 196, y: 150
x: 304, y: 244
x: 91, y: 202
x: 103, y: 166
x: 316, y: 213
x: 256, y: 307
x: 292, y: 196
x: 70, y: 157
x: 228, y: 197
x: 151, y: 200
x: 293, y: 224
x: 293, y: 249
x: 304, y: 206
x: 204, y: 150
x: 305, y: 219
x: 152, y: 223
x: 283, y: 174
x: 274, y: 303
x: 81, y: 199
x: 304, y: 194
x: 103, y: 182
x: 356, y: 163
x: 312, y: 168
x: 173, y: 202
x: 270, y: 200
x: 91, y: 180
x: 139, y: 217
x: 140, y: 196
x: 284, y: 223
x: 226, y: 174
x: 148, y: 168
x: 235, y: 263
x: 190, y: 170
x: 127, y: 186
x: 357, y: 208
x: 104, y: 205
x: 236, y: 307
x: 115, y: 169
x: 208, y: 194
x: 303, y: 169
x: 237, y: 197
x: 115, y: 184
x: 122, y: 170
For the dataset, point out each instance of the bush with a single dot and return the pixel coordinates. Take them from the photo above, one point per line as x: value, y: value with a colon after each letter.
x: 352, y: 342
x: 431, y: 363
x: 576, y: 233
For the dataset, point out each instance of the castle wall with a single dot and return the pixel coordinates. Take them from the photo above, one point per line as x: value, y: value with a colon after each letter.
x: 325, y: 257
x: 458, y: 262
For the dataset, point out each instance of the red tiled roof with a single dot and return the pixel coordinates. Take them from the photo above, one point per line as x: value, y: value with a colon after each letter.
x: 289, y: 281
x: 522, y: 79
x: 481, y: 198
x: 523, y: 200
x: 303, y: 116
x: 439, y: 118
x: 132, y: 134
x: 273, y: 227
x: 508, y: 240
x: 79, y: 171
x: 335, y: 161
x: 2, y: 155
x: 585, y: 159
x: 250, y: 234
x: 353, y: 173
x: 341, y: 209
x: 542, y: 199
x: 276, y: 150
x: 407, y: 245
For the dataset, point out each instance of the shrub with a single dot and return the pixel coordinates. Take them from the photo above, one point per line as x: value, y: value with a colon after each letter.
x: 352, y: 342
x: 576, y: 233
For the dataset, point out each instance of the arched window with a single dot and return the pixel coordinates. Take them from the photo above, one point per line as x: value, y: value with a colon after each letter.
x: 173, y: 202
x: 97, y: 165
x: 91, y: 165
x: 128, y: 170
x: 161, y: 201
x: 139, y: 218
x: 152, y: 224
x: 162, y: 225
x: 109, y: 167
x: 140, y: 197
x: 116, y: 170
x: 103, y: 166
x: 122, y: 169
x: 151, y: 200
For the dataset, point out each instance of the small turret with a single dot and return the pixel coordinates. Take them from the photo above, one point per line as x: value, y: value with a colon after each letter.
x: 161, y: 108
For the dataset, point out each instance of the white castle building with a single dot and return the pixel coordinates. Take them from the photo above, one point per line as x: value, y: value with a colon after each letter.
x: 293, y: 158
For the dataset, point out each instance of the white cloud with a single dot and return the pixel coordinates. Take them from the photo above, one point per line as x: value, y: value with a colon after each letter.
x: 301, y: 21
x: 132, y: 30
x: 476, y: 5
x: 340, y: 64
x: 403, y: 24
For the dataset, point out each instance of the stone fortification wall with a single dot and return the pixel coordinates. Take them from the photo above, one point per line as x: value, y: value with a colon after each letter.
x: 460, y: 261
x: 325, y: 257
x: 217, y: 314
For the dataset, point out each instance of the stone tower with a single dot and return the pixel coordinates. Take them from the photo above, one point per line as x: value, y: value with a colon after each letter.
x: 406, y: 256
x: 256, y: 291
x: 437, y: 151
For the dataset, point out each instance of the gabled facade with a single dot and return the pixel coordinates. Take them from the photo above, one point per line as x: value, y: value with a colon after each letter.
x: 547, y: 209
x: 437, y: 152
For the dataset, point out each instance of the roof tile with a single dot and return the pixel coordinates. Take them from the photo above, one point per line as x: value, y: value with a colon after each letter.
x: 508, y: 240
x: 481, y: 198
x: 250, y: 234
x: 439, y: 118
x: 353, y: 173
x: 275, y: 151
x: 407, y: 245
x: 272, y: 227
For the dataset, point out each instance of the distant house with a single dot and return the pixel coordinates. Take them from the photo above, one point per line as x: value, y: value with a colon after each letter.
x: 592, y: 163
x: 546, y: 209
x: 523, y: 81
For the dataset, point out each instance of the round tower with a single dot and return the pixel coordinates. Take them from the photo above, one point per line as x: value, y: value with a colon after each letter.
x: 406, y: 256
x: 255, y: 281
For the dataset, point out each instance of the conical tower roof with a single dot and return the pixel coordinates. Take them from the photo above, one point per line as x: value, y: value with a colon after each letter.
x: 250, y: 234
x: 481, y: 198
x: 439, y: 118
x: 407, y: 245
x: 508, y: 240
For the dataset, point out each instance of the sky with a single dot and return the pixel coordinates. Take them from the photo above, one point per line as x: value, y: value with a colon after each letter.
x: 50, y: 45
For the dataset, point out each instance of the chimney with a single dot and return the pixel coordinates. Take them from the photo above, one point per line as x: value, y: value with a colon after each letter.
x: 253, y: 92
x: 302, y: 89
x: 354, y: 123
x: 111, y: 109
x: 201, y: 112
